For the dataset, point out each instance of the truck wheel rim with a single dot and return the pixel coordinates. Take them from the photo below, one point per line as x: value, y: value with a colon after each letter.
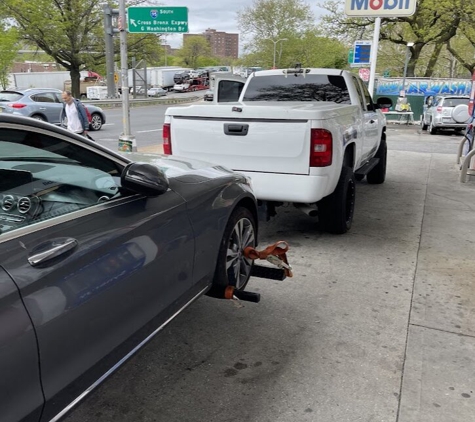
x: 238, y: 267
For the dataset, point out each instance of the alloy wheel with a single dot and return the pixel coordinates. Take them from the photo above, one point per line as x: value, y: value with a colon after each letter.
x: 238, y: 267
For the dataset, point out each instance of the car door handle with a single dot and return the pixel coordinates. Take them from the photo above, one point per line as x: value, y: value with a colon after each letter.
x: 42, y: 108
x: 51, y: 249
x: 235, y: 129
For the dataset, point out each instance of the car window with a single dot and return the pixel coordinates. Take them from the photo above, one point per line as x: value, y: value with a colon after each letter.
x: 44, y: 97
x: 368, y: 99
x: 10, y: 96
x: 361, y: 97
x: 309, y: 87
x: 229, y: 91
x: 452, y: 102
x: 42, y: 177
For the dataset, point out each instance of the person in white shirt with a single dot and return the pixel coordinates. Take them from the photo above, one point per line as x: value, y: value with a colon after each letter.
x: 76, y: 114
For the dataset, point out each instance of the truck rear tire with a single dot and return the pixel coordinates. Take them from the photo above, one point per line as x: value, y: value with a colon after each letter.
x: 378, y: 174
x: 336, y: 210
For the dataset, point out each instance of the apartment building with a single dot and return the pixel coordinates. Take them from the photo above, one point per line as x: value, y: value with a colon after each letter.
x: 222, y: 44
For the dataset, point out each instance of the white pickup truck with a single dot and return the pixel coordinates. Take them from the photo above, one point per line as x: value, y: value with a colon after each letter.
x: 302, y: 135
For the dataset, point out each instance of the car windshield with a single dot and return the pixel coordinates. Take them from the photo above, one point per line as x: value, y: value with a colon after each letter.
x: 452, y: 102
x: 298, y: 88
x: 10, y: 96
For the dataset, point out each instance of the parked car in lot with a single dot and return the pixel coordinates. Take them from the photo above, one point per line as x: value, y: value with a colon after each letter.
x: 156, y: 92
x: 445, y: 112
x: 98, y: 252
x: 44, y: 104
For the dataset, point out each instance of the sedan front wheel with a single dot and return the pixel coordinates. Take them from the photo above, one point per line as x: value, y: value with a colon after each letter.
x: 233, y: 268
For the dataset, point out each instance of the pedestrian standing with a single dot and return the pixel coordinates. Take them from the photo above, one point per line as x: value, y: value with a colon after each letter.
x: 76, y: 114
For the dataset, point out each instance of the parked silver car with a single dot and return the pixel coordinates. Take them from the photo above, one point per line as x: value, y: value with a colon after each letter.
x: 44, y: 104
x: 445, y: 112
x: 156, y: 92
x: 98, y: 252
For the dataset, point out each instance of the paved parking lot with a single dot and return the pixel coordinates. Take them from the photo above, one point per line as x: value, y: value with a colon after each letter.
x: 376, y: 325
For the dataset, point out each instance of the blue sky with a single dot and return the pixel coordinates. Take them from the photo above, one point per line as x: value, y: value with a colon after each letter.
x: 216, y: 14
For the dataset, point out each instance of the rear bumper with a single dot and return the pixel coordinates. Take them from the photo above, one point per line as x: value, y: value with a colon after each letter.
x: 296, y: 188
x: 439, y: 122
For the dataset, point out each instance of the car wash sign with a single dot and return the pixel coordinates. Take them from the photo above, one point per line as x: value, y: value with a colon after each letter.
x: 381, y: 8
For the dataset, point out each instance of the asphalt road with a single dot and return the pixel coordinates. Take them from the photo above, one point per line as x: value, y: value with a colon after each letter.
x: 145, y: 124
x: 366, y: 330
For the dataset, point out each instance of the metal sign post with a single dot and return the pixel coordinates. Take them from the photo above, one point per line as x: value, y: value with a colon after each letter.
x: 378, y: 9
x: 126, y: 140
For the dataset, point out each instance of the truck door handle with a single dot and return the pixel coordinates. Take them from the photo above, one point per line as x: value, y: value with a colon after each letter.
x: 233, y: 129
x: 51, y: 249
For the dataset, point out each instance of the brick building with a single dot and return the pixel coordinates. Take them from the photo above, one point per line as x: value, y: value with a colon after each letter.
x: 222, y: 44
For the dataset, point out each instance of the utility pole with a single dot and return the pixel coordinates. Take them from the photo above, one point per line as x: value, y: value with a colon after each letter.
x: 126, y: 140
x: 109, y: 32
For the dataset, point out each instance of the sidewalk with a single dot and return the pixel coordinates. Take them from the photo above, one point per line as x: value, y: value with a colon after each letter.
x: 439, y: 370
x: 151, y: 149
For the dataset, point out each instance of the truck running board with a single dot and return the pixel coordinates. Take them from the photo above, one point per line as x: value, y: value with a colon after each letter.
x: 364, y: 170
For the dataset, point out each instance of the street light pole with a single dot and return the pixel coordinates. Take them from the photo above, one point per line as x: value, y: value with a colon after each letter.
x: 275, y: 45
x: 408, y: 46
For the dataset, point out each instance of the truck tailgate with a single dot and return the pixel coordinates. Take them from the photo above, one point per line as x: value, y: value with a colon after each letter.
x: 247, y: 144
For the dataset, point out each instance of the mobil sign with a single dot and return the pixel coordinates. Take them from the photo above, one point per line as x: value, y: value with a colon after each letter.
x: 376, y: 8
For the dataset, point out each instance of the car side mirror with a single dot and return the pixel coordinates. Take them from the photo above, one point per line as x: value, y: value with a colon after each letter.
x: 145, y: 179
x: 384, y: 102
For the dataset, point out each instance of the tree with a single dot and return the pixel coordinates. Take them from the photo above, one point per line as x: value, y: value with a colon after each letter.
x: 271, y: 20
x: 432, y: 26
x: 195, y: 50
x: 9, y: 47
x: 70, y: 31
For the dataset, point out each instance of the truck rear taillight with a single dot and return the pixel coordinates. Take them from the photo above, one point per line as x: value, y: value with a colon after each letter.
x: 321, y: 148
x: 167, y: 139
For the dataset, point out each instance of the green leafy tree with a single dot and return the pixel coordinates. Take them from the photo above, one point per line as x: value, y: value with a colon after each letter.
x: 267, y: 21
x: 195, y: 51
x: 432, y: 26
x: 9, y: 46
x: 69, y: 31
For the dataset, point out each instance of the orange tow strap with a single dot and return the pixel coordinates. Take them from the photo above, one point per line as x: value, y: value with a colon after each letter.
x: 278, y: 249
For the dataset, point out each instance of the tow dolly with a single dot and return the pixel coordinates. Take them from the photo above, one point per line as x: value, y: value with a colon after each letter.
x: 276, y: 255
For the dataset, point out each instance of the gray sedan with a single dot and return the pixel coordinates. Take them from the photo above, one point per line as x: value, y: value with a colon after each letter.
x: 44, y: 104
x: 98, y: 252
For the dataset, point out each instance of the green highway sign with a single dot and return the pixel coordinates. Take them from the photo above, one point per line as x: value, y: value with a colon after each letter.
x: 157, y: 19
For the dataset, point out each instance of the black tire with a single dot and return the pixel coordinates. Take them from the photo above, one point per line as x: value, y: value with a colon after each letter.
x: 336, y: 210
x: 39, y: 117
x: 230, y: 257
x: 424, y: 124
x: 377, y: 175
x: 359, y: 177
x: 96, y: 122
x: 432, y: 128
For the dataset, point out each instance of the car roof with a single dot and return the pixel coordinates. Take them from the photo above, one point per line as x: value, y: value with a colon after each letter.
x: 26, y: 91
